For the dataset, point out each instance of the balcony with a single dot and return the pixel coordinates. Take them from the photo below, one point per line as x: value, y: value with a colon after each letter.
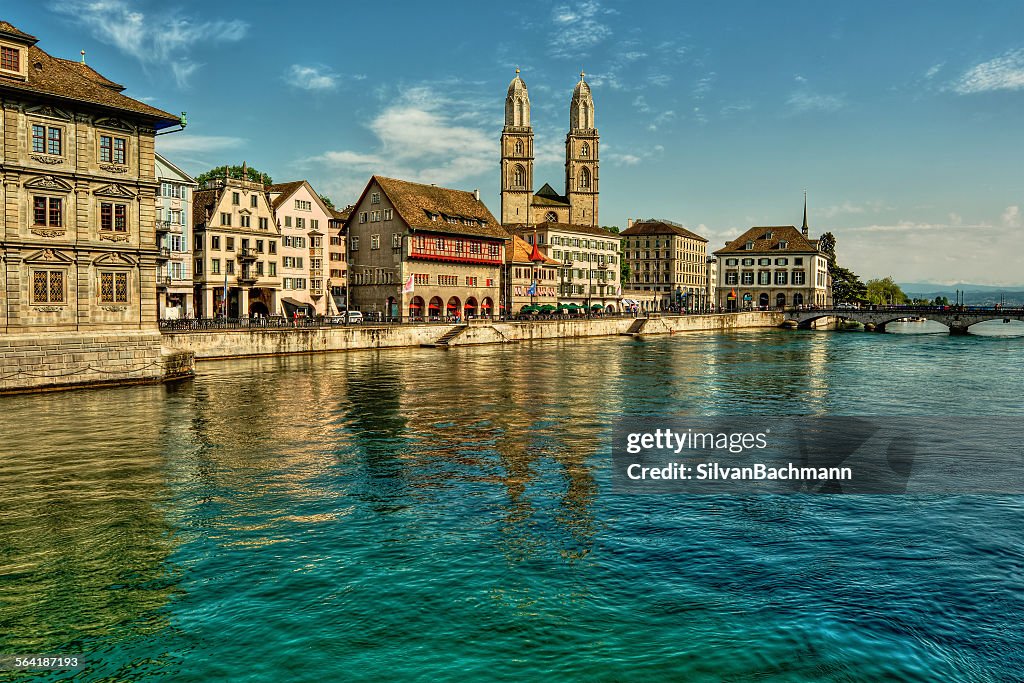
x: 163, y: 227
x: 163, y: 281
x: 316, y: 293
x: 248, y: 254
x: 163, y: 254
x: 247, y: 278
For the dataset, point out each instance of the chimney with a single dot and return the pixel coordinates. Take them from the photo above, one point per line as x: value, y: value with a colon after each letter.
x: 476, y: 195
x: 629, y: 223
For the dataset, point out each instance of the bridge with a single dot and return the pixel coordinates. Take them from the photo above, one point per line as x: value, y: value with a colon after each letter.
x: 957, y: 318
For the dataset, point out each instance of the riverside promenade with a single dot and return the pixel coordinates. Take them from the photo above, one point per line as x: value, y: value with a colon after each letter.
x: 273, y: 341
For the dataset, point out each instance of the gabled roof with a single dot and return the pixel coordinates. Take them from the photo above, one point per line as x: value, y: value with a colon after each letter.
x: 521, y: 250
x: 654, y: 227
x: 343, y: 214
x: 201, y: 201
x: 10, y: 30
x: 766, y: 239
x: 437, y: 209
x: 546, y: 196
x: 522, y: 229
x: 183, y: 177
x: 286, y: 190
x: 62, y: 79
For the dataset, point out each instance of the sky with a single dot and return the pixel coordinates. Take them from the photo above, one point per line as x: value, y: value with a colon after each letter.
x: 902, y: 121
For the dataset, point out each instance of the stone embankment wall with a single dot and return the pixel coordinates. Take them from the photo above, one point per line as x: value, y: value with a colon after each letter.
x: 60, y: 360
x: 271, y: 342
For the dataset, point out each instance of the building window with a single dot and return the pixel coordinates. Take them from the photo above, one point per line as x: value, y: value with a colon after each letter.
x: 46, y: 140
x: 272, y: 268
x: 300, y: 223
x: 389, y: 214
x: 10, y: 59
x: 272, y: 247
x: 362, y: 216
x: 263, y: 223
x: 47, y: 286
x: 114, y: 288
x: 112, y: 150
x: 471, y: 281
x: 781, y: 262
x: 551, y: 217
x: 375, y: 198
x: 764, y: 277
x: 236, y: 198
x: 374, y: 241
x: 215, y: 242
x: 396, y: 240
x: 197, y: 268
x: 584, y: 178
x: 225, y: 219
x: 355, y: 243
x: 114, y: 217
x: 303, y: 205
x: 245, y: 221
x: 53, y: 141
x: 519, y: 146
x: 215, y: 266
x: 47, y: 211
x: 748, y: 277
x: 229, y: 243
x: 798, y: 277
x: 781, y: 277
x: 585, y: 150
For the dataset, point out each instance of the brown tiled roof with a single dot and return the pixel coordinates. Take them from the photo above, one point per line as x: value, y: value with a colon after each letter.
x: 564, y: 227
x: 201, y: 201
x: 660, y: 228
x: 795, y: 241
x: 343, y: 214
x: 286, y: 190
x: 90, y: 73
x: 10, y: 29
x: 521, y: 251
x: 417, y: 203
x: 50, y: 76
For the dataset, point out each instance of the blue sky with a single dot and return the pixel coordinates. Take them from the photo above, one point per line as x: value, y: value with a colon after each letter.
x: 902, y: 120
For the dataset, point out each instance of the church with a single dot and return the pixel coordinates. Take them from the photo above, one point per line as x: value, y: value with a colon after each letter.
x: 520, y: 205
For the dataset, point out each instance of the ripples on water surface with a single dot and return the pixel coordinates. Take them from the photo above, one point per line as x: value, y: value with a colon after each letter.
x: 426, y: 515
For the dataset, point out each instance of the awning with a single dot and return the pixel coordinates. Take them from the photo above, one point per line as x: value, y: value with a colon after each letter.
x: 291, y: 305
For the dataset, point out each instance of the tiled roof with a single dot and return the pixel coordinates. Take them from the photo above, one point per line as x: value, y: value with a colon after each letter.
x: 660, y: 228
x: 201, y: 201
x: 90, y: 73
x: 546, y: 196
x: 286, y: 190
x: 343, y: 214
x: 521, y: 251
x: 50, y: 76
x: 564, y: 227
x: 9, y: 29
x: 766, y: 239
x: 417, y: 204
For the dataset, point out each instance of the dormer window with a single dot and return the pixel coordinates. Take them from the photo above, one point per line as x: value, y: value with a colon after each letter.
x: 749, y: 246
x: 783, y: 244
x: 10, y: 59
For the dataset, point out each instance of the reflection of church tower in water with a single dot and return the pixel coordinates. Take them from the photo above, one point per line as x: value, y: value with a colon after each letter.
x: 520, y: 205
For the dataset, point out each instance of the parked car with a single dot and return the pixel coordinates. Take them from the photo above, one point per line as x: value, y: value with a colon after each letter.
x: 353, y: 318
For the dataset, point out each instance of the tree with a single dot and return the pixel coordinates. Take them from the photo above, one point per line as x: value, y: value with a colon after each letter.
x: 234, y: 172
x: 885, y: 291
x: 846, y: 285
x: 327, y: 200
x: 940, y: 301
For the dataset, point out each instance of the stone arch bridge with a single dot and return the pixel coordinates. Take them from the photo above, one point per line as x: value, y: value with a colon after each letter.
x: 957, y: 319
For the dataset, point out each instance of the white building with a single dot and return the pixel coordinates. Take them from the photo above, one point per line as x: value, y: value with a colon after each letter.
x: 304, y: 220
x: 173, y: 208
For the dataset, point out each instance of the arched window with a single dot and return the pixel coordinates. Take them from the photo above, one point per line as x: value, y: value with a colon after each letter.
x: 520, y: 115
x: 584, y: 178
x: 518, y: 177
x: 519, y: 147
x: 585, y: 150
x: 551, y: 217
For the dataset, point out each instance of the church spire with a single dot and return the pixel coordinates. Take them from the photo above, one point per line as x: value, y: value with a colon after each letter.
x: 805, y: 230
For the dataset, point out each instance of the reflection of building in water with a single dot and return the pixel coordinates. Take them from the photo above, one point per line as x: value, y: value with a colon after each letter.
x: 86, y: 536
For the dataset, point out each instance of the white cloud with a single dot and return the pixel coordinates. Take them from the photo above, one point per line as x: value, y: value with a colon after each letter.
x: 422, y: 137
x: 803, y: 101
x: 1002, y: 73
x: 640, y: 102
x: 167, y: 39
x: 934, y: 70
x: 1011, y: 217
x: 578, y: 28
x: 311, y: 77
x: 185, y: 142
x: 847, y: 207
x: 661, y: 119
x: 703, y: 85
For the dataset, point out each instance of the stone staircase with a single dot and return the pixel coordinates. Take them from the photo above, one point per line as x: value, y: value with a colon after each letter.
x: 442, y: 342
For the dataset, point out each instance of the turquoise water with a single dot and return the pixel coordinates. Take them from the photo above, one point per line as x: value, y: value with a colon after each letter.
x: 430, y: 515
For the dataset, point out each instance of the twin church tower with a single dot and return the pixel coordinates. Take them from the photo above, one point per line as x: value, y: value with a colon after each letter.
x: 520, y: 205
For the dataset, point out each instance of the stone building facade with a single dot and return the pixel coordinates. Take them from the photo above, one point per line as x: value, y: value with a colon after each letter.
x: 520, y: 205
x: 668, y: 266
x: 423, y: 251
x: 305, y: 223
x: 337, y: 273
x: 235, y: 242
x: 78, y: 244
x: 589, y: 258
x: 174, y: 236
x: 531, y: 279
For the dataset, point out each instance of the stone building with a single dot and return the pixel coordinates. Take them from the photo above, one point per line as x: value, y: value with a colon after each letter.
x: 531, y: 277
x: 174, y: 235
x: 304, y: 221
x: 773, y: 267
x: 519, y: 204
x: 78, y: 247
x: 423, y: 251
x: 236, y: 249
x: 589, y: 257
x: 337, y: 274
x: 668, y: 266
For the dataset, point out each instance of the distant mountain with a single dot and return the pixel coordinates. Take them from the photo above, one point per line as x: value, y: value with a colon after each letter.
x: 974, y: 295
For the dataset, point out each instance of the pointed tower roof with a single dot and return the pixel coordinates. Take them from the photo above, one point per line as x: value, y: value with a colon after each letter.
x: 517, y: 103
x: 581, y: 110
x: 805, y: 230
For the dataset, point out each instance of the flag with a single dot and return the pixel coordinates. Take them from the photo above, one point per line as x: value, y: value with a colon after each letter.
x: 410, y: 285
x: 532, y: 291
x: 618, y: 290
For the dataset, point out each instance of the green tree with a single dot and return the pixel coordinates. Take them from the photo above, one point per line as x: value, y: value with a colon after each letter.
x: 235, y: 172
x: 940, y: 301
x: 885, y: 291
x: 327, y: 200
x: 847, y: 287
